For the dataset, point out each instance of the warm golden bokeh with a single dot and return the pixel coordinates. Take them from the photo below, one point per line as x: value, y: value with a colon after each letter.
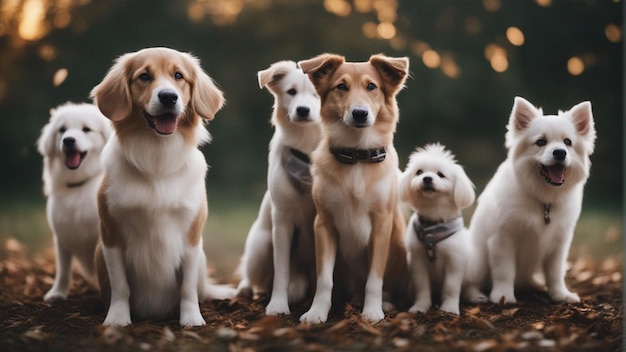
x: 515, y: 36
x: 31, y: 20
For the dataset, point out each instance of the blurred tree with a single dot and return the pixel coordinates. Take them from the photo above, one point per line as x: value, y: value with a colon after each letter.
x: 468, y: 60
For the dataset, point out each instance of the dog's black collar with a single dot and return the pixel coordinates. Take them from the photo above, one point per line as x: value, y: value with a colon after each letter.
x: 432, y: 232
x: 353, y: 155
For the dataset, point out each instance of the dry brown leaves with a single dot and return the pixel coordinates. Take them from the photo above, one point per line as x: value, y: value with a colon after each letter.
x: 28, y: 323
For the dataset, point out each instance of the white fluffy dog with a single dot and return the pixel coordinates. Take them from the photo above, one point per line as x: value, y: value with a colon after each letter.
x: 439, y: 247
x: 71, y: 143
x: 525, y: 218
x: 280, y: 243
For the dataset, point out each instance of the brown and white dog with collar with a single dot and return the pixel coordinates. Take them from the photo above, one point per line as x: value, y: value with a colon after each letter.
x: 152, y: 201
x: 278, y: 256
x: 359, y: 225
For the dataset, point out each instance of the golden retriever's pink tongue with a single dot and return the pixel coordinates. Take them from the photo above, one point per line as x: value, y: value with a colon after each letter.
x: 72, y: 159
x: 165, y: 124
x: 557, y: 173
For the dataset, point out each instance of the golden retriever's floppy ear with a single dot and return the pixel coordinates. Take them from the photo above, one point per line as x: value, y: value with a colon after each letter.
x: 393, y: 70
x: 112, y: 95
x: 272, y: 75
x: 320, y: 68
x: 206, y: 98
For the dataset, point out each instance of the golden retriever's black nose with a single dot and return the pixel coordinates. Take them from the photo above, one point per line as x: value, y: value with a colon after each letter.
x: 359, y: 115
x: 168, y: 97
x: 69, y: 141
x: 559, y: 154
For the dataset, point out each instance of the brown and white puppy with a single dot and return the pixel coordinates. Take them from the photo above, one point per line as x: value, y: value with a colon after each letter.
x: 152, y: 202
x: 278, y: 256
x: 71, y: 144
x: 358, y: 226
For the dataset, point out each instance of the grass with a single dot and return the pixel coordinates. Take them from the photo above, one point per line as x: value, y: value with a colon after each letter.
x: 598, y: 233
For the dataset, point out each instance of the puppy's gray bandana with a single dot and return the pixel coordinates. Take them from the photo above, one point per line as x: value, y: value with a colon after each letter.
x: 432, y: 232
x: 298, y: 167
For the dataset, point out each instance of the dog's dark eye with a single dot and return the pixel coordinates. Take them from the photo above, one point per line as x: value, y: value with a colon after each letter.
x: 419, y: 172
x: 145, y: 77
x: 342, y: 86
x: 567, y: 141
x: 178, y: 75
x: 371, y: 86
x: 86, y: 129
x: 440, y: 174
x: 541, y: 142
x: 62, y: 130
x: 292, y: 92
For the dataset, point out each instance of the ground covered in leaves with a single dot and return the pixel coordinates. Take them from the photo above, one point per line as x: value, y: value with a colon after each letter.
x: 29, y: 324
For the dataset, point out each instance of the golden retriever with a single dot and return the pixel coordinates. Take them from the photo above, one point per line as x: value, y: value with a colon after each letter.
x: 359, y: 225
x: 71, y: 144
x: 152, y: 202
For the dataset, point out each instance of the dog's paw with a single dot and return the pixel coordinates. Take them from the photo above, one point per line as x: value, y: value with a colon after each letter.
x: 419, y: 307
x: 565, y: 296
x: 314, y: 316
x: 277, y: 307
x: 191, y: 318
x: 450, y: 307
x: 118, y: 315
x: 117, y: 319
x: 219, y: 292
x: 498, y: 296
x: 54, y: 295
x: 373, y: 315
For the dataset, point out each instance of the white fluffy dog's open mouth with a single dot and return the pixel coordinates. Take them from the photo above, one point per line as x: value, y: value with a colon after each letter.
x: 73, y: 158
x: 553, y: 174
x: 164, y: 124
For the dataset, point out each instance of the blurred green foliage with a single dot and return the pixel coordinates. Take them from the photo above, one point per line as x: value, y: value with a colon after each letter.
x: 462, y: 102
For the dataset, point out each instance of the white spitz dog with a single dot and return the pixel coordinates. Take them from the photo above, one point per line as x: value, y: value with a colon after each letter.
x: 439, y: 247
x: 525, y: 218
x: 71, y: 143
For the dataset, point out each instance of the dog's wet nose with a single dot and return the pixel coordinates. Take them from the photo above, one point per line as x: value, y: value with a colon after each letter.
x: 303, y: 111
x: 428, y: 180
x: 359, y: 115
x: 168, y: 97
x: 69, y: 141
x: 559, y: 154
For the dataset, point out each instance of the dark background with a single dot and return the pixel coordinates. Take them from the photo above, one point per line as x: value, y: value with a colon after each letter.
x: 463, y: 103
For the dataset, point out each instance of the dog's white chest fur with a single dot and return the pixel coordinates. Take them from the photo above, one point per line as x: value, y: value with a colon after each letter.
x: 154, y: 213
